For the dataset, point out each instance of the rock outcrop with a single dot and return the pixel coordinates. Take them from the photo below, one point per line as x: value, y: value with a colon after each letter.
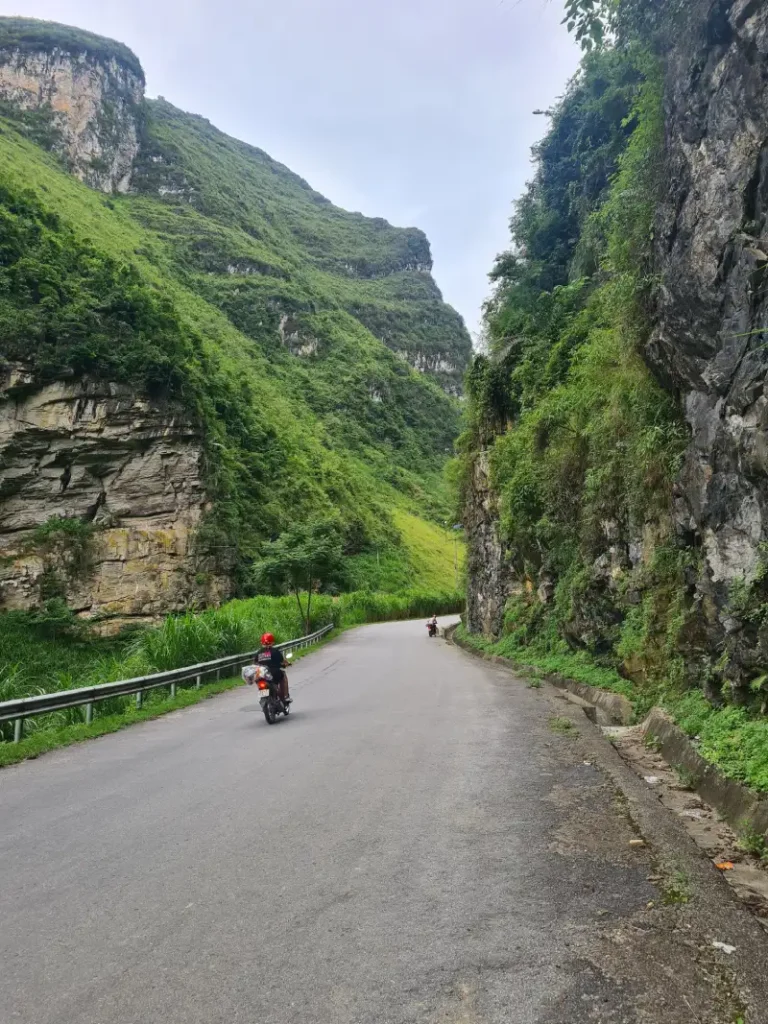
x: 94, y: 101
x: 96, y: 453
x: 712, y: 325
x: 488, y: 573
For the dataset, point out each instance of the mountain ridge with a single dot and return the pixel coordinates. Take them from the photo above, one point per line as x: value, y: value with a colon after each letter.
x: 201, y: 370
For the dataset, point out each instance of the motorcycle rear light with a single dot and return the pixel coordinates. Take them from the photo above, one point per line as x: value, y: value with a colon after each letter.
x: 263, y: 685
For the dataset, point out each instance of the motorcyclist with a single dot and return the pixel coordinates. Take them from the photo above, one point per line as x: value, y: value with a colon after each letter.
x: 272, y: 659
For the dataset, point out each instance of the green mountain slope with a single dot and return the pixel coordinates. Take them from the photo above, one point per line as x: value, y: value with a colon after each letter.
x: 298, y: 253
x: 286, y: 325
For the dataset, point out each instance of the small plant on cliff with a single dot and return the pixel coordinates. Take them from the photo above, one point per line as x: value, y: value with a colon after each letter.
x: 64, y: 546
x: 72, y: 534
x: 754, y: 842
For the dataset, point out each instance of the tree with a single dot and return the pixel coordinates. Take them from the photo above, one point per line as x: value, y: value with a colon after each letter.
x: 305, y: 558
x: 589, y: 20
x: 596, y: 23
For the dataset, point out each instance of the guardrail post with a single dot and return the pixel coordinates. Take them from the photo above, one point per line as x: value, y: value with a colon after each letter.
x: 218, y: 674
x: 173, y: 690
x: 139, y: 698
x: 18, y: 730
x: 197, y: 681
x: 89, y: 713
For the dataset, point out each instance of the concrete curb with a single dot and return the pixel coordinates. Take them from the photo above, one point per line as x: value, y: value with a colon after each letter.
x: 713, y: 901
x: 736, y: 803
x: 612, y: 708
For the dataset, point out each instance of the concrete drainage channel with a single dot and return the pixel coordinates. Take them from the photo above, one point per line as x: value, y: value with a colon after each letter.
x: 709, y: 806
x: 706, y: 823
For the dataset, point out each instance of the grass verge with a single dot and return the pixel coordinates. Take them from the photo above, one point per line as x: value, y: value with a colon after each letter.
x: 575, y: 666
x: 43, y: 740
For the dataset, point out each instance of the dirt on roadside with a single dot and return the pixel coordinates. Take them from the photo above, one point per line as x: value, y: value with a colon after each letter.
x: 744, y: 872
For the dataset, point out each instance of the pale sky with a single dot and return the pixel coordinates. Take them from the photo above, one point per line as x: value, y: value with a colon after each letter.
x: 420, y: 111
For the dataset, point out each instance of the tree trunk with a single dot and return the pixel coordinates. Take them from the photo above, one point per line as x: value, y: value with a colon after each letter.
x: 298, y: 602
x: 309, y: 601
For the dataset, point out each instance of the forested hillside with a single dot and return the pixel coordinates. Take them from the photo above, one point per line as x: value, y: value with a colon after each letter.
x: 203, y: 356
x: 613, y: 468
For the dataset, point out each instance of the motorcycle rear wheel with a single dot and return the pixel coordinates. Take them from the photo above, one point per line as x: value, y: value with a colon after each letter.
x: 269, y: 713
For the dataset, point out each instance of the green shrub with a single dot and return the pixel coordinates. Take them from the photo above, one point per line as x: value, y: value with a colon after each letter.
x: 75, y: 309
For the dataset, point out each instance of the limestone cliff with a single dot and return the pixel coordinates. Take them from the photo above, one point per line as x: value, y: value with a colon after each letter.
x: 489, y: 579
x: 377, y: 273
x: 712, y: 318
x: 92, y: 96
x: 642, y: 496
x: 98, y: 454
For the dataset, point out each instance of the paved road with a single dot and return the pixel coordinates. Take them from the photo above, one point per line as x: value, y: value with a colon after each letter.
x: 414, y: 844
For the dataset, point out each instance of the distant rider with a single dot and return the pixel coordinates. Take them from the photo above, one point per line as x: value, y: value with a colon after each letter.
x: 270, y: 658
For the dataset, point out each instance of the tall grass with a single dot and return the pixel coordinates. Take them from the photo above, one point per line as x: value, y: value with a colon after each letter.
x: 34, y: 660
x: 234, y: 628
x: 363, y: 606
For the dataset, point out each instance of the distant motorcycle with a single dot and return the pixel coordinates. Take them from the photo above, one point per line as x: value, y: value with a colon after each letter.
x: 269, y: 699
x: 432, y: 628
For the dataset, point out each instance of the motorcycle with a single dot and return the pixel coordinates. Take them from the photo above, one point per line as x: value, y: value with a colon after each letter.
x: 432, y: 628
x: 269, y: 699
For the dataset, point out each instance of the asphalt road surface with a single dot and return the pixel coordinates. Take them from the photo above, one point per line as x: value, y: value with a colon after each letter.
x: 416, y: 843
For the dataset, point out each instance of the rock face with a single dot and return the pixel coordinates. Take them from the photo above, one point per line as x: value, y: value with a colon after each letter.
x: 95, y: 106
x: 712, y: 328
x: 96, y: 453
x: 488, y: 573
x: 709, y: 347
x: 449, y: 374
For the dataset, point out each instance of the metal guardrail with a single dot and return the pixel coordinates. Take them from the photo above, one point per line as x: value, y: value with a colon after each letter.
x: 27, y: 707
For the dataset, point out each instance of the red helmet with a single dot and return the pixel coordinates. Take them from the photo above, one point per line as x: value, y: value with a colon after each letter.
x: 267, y: 640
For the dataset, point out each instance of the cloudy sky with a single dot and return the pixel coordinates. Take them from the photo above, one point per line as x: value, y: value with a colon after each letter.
x: 420, y: 111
